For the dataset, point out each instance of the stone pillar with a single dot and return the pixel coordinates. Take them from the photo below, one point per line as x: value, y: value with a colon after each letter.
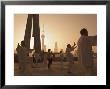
x: 36, y: 33
x: 27, y: 35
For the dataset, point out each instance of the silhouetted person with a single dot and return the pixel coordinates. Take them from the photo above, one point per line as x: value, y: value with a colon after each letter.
x: 85, y: 55
x: 17, y: 50
x: 70, y: 56
x: 33, y: 57
x: 49, y: 58
x: 42, y: 56
x: 61, y: 59
x: 18, y: 46
x: 22, y: 55
x: 45, y: 57
x: 37, y: 56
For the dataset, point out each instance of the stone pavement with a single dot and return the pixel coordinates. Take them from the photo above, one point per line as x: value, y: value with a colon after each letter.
x: 41, y: 69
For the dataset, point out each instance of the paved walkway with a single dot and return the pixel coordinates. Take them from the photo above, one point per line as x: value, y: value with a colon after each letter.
x: 41, y: 70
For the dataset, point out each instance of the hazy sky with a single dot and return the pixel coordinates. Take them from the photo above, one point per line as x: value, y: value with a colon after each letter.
x: 60, y: 28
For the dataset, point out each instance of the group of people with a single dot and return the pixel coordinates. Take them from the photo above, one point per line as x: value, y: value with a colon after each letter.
x: 23, y: 57
x: 43, y: 57
x: 85, y: 56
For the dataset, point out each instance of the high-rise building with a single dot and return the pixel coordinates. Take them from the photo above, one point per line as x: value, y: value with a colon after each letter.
x: 44, y: 48
x: 56, y: 48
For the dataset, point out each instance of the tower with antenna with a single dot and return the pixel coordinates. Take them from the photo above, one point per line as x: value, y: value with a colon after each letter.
x: 43, y: 36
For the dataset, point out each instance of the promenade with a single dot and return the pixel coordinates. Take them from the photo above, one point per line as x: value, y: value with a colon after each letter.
x: 41, y: 69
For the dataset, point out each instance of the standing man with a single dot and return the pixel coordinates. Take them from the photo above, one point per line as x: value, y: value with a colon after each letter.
x: 85, y: 55
x: 49, y: 58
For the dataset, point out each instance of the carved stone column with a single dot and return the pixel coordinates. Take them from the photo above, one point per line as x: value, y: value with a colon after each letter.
x: 36, y: 32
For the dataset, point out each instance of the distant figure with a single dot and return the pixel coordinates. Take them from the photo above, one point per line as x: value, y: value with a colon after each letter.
x: 49, y: 58
x: 42, y: 56
x: 70, y: 56
x: 45, y: 58
x: 18, y: 47
x: 85, y: 55
x: 37, y: 56
x: 34, y: 60
x: 61, y: 59
x: 51, y: 55
x: 16, y: 56
x: 23, y: 58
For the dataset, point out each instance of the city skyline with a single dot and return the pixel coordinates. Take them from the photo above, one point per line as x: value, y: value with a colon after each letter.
x: 61, y: 28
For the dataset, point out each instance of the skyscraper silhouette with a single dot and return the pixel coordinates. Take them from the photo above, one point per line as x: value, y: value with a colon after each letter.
x: 56, y: 48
